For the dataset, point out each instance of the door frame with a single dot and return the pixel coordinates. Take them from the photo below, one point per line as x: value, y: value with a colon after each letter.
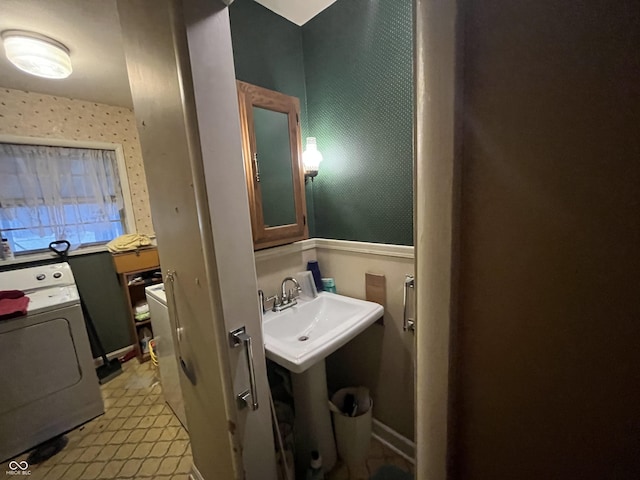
x: 436, y: 185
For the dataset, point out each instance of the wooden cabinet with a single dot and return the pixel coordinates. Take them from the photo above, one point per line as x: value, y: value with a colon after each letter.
x: 136, y: 271
x: 272, y: 149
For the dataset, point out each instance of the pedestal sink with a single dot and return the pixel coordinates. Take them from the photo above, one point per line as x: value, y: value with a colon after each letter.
x: 299, y: 339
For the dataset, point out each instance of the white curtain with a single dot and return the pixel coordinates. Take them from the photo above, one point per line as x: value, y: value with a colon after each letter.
x: 56, y: 193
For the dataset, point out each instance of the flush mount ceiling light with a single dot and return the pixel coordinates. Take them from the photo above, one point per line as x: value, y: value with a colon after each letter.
x: 36, y: 54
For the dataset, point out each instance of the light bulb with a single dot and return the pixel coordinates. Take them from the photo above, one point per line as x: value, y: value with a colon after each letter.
x: 311, y: 157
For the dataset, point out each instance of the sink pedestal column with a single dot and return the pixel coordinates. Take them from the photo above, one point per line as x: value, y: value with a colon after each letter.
x: 313, y: 418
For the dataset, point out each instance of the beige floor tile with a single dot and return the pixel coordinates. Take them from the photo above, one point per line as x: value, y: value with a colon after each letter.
x: 39, y: 472
x: 107, y: 452
x: 92, y: 471
x: 146, y: 422
x: 125, y: 451
x: 149, y: 467
x: 76, y: 435
x: 135, y: 401
x: 136, y: 435
x: 126, y: 412
x: 99, y: 424
x: 116, y: 424
x: 88, y: 440
x: 89, y: 454
x: 103, y: 438
x: 111, y: 469
x: 119, y: 437
x: 178, y: 448
x: 153, y: 434
x: 174, y: 422
x: 150, y: 400
x: 111, y: 412
x: 69, y: 454
x: 74, y: 471
x: 168, y: 465
x: 169, y: 433
x: 160, y: 449
x: 162, y: 421
x: 141, y: 410
x: 155, y: 410
x: 121, y: 402
x: 130, y: 468
x: 185, y: 464
x: 142, y: 450
x: 131, y: 423
x: 115, y: 393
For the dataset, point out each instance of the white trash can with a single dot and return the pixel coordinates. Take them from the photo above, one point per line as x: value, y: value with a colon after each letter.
x: 353, y: 433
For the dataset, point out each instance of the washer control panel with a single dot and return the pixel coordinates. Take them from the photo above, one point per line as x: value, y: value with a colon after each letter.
x: 43, y: 276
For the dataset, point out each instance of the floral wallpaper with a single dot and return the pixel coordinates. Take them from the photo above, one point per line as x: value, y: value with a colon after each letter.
x: 29, y: 114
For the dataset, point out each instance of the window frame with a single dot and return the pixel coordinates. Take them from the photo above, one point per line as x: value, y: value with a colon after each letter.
x: 129, y: 218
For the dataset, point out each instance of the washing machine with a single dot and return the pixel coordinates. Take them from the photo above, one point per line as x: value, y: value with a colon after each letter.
x: 48, y: 382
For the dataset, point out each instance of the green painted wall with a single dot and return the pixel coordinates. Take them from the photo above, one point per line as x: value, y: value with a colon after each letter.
x: 351, y: 68
x: 358, y: 66
x: 267, y: 51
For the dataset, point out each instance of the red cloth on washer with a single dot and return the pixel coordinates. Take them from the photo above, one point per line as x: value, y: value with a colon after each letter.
x: 13, y: 303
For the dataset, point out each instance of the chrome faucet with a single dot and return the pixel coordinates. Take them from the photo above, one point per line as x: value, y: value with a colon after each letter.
x: 287, y: 298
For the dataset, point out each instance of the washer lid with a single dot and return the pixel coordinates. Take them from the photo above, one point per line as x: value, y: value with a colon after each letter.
x: 51, y: 298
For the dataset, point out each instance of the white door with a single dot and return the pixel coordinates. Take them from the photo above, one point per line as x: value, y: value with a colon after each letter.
x: 180, y: 65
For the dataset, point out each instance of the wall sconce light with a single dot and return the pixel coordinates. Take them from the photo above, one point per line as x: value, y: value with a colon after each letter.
x: 311, y: 159
x: 36, y: 54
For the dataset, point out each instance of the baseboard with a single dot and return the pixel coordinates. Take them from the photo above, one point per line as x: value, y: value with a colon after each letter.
x: 393, y: 440
x: 195, y: 473
x: 117, y: 354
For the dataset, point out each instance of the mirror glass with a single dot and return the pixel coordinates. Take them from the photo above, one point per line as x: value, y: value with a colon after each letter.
x: 274, y: 163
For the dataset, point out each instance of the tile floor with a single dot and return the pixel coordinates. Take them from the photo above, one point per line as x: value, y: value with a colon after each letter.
x: 379, y: 455
x: 140, y: 437
x: 137, y: 437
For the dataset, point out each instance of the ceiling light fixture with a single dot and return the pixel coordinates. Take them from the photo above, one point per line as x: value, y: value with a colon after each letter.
x: 36, y: 54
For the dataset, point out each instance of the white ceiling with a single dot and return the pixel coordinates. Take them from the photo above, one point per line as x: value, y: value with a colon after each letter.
x: 297, y: 11
x: 91, y: 31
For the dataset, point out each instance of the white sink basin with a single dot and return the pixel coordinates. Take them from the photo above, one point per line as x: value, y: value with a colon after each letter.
x: 302, y: 335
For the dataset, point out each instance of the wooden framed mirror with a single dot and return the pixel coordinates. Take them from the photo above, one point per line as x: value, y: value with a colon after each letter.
x: 272, y: 150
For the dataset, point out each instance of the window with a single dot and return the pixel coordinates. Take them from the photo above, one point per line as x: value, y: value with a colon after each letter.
x: 52, y: 193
